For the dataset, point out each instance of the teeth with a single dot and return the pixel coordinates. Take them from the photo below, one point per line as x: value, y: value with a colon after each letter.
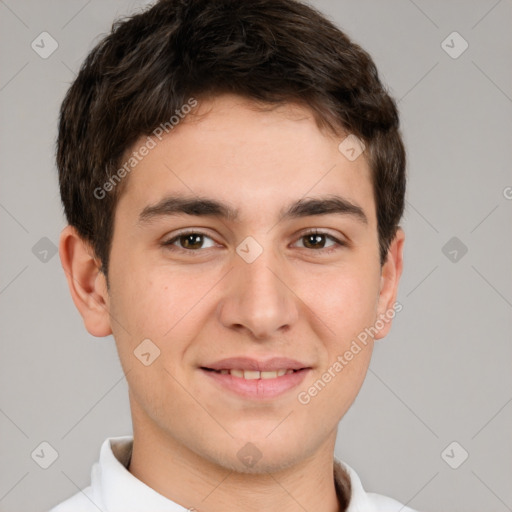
x: 253, y: 374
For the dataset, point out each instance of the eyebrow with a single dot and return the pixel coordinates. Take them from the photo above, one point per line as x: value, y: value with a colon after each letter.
x: 207, y: 207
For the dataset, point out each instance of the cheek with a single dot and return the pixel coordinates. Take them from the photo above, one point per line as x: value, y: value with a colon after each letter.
x: 165, y: 306
x: 345, y: 310
x: 345, y: 300
x: 346, y: 307
x: 154, y: 306
x: 151, y: 302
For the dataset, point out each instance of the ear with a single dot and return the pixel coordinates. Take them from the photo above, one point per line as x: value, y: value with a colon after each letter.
x: 390, y: 277
x: 86, y: 283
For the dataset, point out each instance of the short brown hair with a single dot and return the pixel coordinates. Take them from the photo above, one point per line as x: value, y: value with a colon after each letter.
x: 271, y: 51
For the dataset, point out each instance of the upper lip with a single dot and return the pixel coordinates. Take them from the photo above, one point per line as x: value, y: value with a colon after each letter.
x: 247, y: 363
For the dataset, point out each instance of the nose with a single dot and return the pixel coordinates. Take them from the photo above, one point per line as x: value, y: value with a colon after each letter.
x: 258, y: 298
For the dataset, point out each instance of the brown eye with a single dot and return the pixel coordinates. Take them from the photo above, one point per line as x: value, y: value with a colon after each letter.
x: 192, y: 241
x: 316, y: 240
x: 188, y: 241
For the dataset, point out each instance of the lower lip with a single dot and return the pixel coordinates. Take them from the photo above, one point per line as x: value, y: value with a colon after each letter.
x: 259, y: 389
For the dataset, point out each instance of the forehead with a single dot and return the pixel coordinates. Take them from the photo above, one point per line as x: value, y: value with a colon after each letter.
x: 231, y: 149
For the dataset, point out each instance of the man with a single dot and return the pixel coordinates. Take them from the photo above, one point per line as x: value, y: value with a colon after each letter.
x: 233, y: 177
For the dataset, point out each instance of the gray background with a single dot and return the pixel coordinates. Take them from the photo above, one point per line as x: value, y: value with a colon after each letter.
x: 443, y: 373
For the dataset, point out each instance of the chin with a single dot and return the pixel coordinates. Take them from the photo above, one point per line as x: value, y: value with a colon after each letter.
x: 257, y: 457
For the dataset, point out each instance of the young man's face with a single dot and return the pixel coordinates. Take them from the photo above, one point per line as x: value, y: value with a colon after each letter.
x: 254, y: 287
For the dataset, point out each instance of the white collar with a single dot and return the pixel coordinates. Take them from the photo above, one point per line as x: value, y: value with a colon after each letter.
x: 114, y: 489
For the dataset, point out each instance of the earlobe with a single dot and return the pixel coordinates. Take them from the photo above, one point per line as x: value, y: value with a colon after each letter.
x: 390, y: 278
x: 86, y: 283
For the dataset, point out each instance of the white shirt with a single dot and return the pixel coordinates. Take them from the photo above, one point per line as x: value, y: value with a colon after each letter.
x: 114, y: 489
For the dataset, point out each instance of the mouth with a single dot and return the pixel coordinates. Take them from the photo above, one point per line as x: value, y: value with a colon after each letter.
x: 254, y: 374
x: 256, y: 380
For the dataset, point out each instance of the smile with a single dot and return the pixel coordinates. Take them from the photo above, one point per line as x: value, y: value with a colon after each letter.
x: 253, y: 384
x: 254, y: 374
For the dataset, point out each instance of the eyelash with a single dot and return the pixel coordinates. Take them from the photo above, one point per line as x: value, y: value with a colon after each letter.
x: 169, y: 244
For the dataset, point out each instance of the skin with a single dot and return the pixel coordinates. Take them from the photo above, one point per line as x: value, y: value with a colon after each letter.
x: 294, y: 300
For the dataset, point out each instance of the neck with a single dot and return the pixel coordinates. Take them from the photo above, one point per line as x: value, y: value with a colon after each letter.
x: 183, y: 476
